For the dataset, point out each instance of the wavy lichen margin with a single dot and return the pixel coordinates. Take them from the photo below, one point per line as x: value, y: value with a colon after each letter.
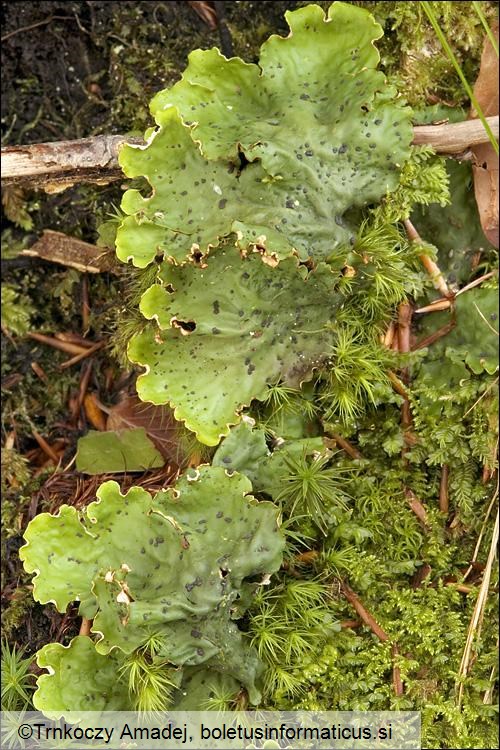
x: 273, y: 155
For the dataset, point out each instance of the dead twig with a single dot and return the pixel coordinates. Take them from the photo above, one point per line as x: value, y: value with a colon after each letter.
x: 86, y: 353
x: 22, y: 29
x: 45, y: 447
x: 366, y: 617
x: 85, y: 626
x: 430, y: 266
x: 57, y: 165
x: 397, y: 384
x: 476, y: 282
x: 85, y: 304
x: 477, y: 615
x: 343, y: 443
x: 75, y: 338
x: 437, y: 306
x: 433, y: 337
x: 64, y: 346
x: 404, y: 341
x: 388, y: 338
x: 39, y: 372
x: 417, y: 507
x: 443, y: 489
x: 397, y: 682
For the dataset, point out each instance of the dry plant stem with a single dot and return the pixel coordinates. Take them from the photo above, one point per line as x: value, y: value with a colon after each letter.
x: 84, y: 384
x: 351, y: 624
x: 396, y: 674
x: 85, y: 304
x: 417, y: 507
x: 404, y: 333
x: 39, y: 372
x: 397, y: 384
x: 345, y: 445
x: 454, y: 138
x: 434, y: 336
x: 367, y: 618
x: 481, y: 533
x: 446, y: 303
x: 307, y: 557
x: 460, y: 587
x: 476, y: 282
x: 45, y: 447
x: 79, y: 357
x: 55, y: 166
x: 64, y: 346
x: 85, y: 627
x: 93, y: 413
x: 388, y: 338
x: 74, y: 338
x: 437, y: 306
x: 477, y: 615
x: 443, y: 489
x: 420, y: 576
x: 430, y: 266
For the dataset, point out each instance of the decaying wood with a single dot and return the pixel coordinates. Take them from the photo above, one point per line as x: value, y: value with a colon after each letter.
x: 55, y: 166
x: 454, y: 138
x: 57, y: 247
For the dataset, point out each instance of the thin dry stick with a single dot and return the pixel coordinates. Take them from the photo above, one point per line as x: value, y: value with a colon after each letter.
x: 39, y: 372
x: 85, y: 626
x: 492, y: 385
x: 85, y: 303
x: 396, y: 674
x: 79, y: 357
x: 443, y: 489
x: 64, y: 163
x: 476, y: 282
x: 350, y: 624
x: 404, y: 333
x: 345, y: 445
x: 397, y: 384
x: 482, y: 530
x: 434, y: 336
x: 388, y: 338
x: 45, y: 447
x: 22, y: 29
x: 430, y: 266
x: 437, y: 306
x: 367, y: 618
x: 477, y: 615
x: 417, y: 507
x: 64, y: 346
x: 74, y: 338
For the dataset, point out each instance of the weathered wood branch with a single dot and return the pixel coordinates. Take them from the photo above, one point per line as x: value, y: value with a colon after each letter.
x: 454, y: 138
x: 55, y: 166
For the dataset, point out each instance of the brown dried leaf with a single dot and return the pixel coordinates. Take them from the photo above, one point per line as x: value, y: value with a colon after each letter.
x: 158, y: 421
x: 205, y: 11
x: 93, y: 412
x: 485, y: 169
